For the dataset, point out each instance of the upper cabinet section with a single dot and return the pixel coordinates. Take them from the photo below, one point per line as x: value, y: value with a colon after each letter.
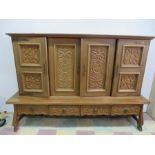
x: 64, y: 66
x: 31, y: 66
x: 129, y: 67
x: 97, y: 57
x: 80, y: 64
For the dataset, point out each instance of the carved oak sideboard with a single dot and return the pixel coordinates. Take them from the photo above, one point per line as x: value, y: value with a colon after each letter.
x: 79, y: 75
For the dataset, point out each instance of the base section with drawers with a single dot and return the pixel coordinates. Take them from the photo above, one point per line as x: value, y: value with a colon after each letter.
x: 75, y: 106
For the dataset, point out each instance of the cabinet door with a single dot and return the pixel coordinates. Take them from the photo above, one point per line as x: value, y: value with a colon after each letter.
x: 129, y: 67
x: 64, y: 66
x: 97, y: 56
x: 31, y: 65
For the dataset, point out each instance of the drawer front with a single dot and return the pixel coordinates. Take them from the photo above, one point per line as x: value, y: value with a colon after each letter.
x: 125, y: 110
x: 64, y: 110
x: 32, y: 109
x: 95, y: 110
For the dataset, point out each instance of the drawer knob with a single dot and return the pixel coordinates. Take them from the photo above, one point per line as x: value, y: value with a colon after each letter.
x: 63, y: 111
x: 31, y: 109
x: 94, y: 110
x: 125, y: 110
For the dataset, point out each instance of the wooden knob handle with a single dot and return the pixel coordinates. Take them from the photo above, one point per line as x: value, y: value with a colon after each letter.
x: 125, y: 110
x: 94, y: 110
x: 63, y: 110
x: 31, y: 109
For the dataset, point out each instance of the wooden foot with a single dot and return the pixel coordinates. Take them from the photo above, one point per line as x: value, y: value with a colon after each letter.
x: 15, y: 122
x: 15, y: 119
x: 16, y: 128
x: 139, y: 128
x: 140, y: 120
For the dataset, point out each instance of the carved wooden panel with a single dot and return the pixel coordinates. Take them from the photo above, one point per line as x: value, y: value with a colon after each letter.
x: 65, y: 67
x: 125, y: 110
x: 95, y: 110
x: 64, y: 110
x: 129, y: 67
x: 97, y: 59
x: 31, y: 65
x: 32, y: 81
x: 128, y: 82
x: 29, y: 54
x: 132, y: 56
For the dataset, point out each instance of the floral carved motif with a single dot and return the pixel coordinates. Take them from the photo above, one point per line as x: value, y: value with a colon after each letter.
x: 32, y: 81
x: 68, y: 110
x: 124, y: 110
x: 97, y: 66
x: 32, y: 110
x: 65, y: 66
x: 128, y: 81
x: 95, y: 110
x: 30, y: 54
x: 132, y: 55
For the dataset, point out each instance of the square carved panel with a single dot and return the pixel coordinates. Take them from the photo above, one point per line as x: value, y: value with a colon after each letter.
x: 97, y: 60
x: 32, y: 82
x: 29, y: 54
x: 132, y: 56
x: 128, y: 82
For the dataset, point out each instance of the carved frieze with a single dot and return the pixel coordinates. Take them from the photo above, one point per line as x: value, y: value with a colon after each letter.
x: 125, y: 110
x: 95, y: 110
x: 64, y: 110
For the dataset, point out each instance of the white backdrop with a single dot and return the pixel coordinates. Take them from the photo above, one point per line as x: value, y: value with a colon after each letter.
x: 8, y: 82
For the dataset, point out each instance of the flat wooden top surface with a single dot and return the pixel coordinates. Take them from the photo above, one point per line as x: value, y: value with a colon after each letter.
x: 79, y: 35
x: 76, y: 100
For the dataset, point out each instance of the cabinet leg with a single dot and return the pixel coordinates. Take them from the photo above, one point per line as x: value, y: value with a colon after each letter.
x: 140, y: 120
x: 15, y: 119
x: 134, y: 117
x: 15, y: 122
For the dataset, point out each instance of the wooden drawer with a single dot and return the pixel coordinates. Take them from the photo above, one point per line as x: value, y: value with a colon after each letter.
x: 32, y: 109
x: 95, y: 110
x: 125, y: 110
x: 64, y: 110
